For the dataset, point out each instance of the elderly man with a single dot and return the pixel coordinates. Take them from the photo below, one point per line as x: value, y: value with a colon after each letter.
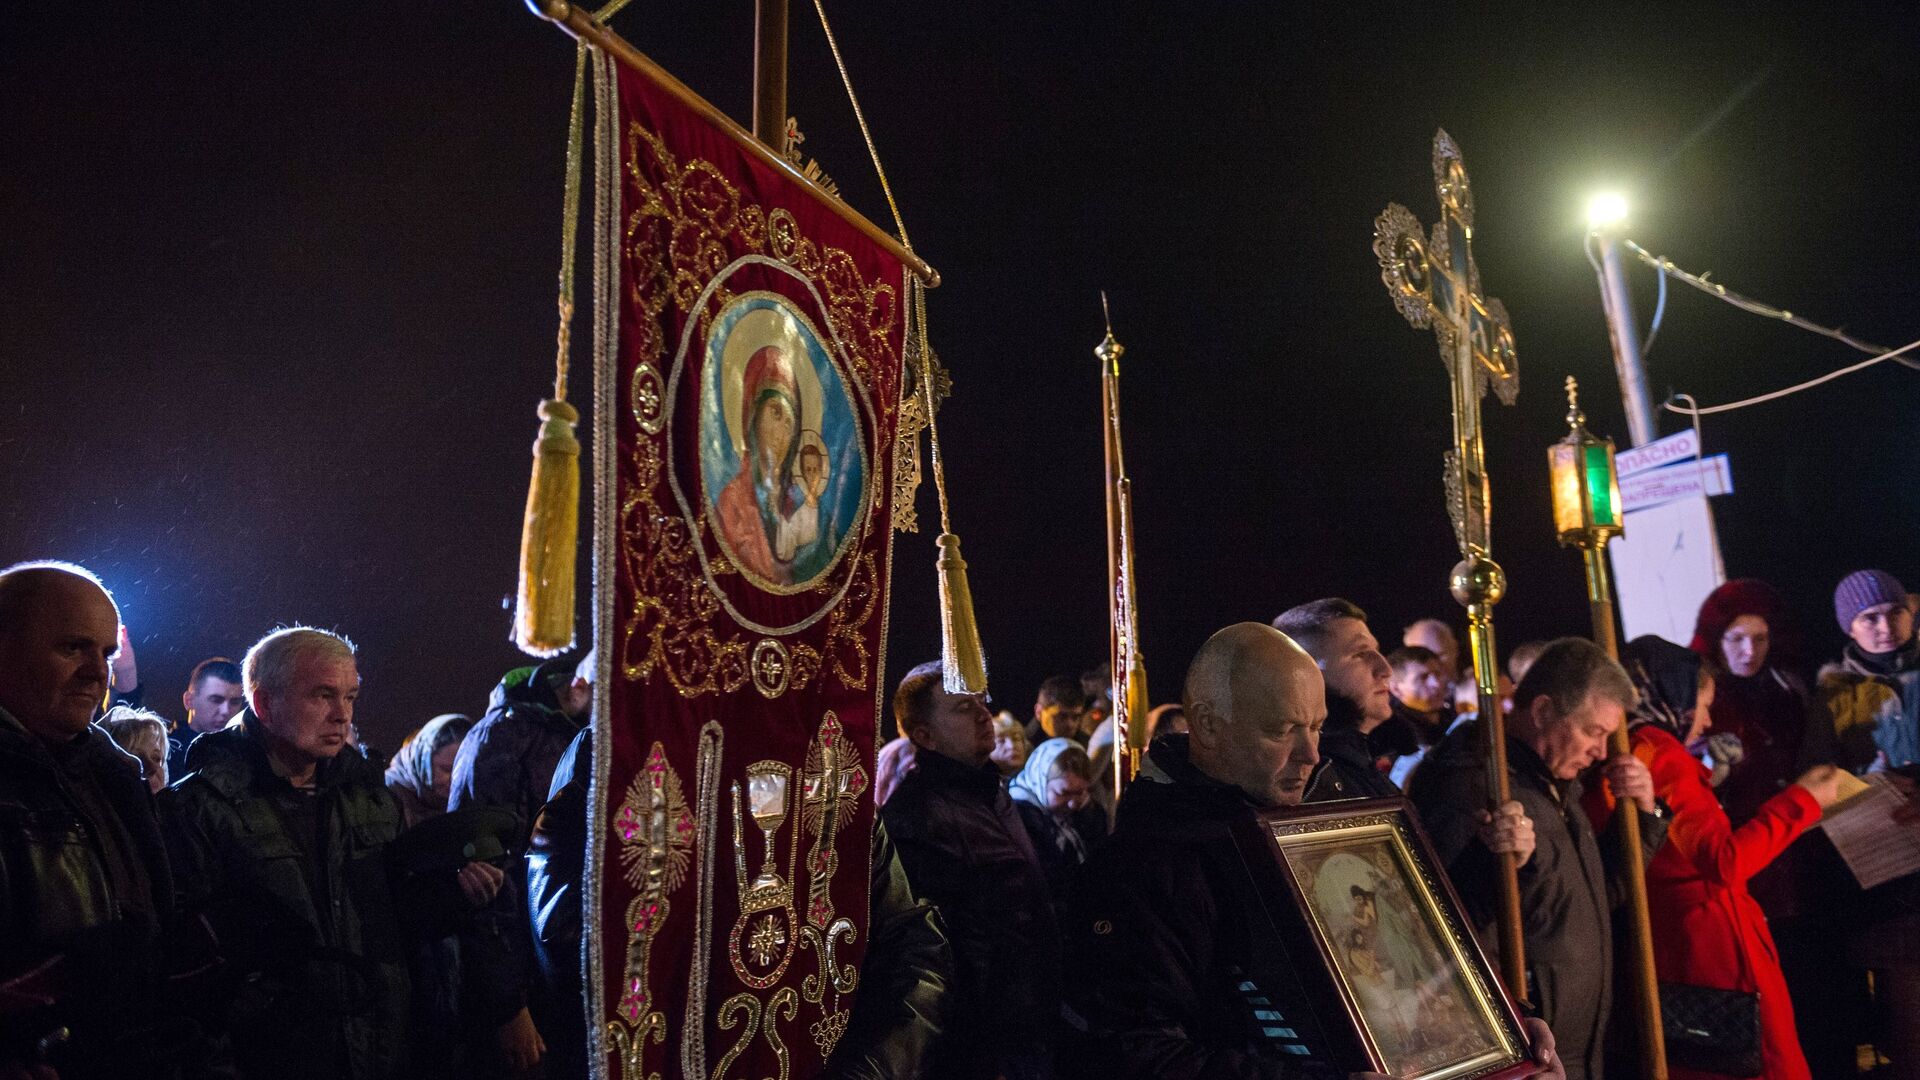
x: 1571, y: 701
x: 280, y: 839
x: 83, y: 871
x: 964, y: 849
x: 1164, y: 925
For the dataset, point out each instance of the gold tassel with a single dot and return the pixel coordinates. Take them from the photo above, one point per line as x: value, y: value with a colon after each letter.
x: 550, y: 529
x: 963, y: 661
x: 549, y: 536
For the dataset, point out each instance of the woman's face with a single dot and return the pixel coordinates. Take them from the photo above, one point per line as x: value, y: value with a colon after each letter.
x: 1702, y: 714
x: 1744, y: 645
x: 773, y: 429
x: 1067, y: 792
x: 154, y: 756
x: 443, y: 771
x: 1009, y: 748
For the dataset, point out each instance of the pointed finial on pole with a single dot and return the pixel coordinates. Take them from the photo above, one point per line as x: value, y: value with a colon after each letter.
x: 1108, y: 351
x: 1575, y: 418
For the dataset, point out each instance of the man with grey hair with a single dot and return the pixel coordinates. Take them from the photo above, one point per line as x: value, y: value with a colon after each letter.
x: 84, y: 881
x: 1166, y: 934
x: 1569, y: 704
x: 280, y: 840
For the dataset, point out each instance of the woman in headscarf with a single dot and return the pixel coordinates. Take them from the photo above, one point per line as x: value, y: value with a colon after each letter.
x: 1049, y: 791
x: 1750, y: 647
x: 1707, y: 930
x: 421, y: 772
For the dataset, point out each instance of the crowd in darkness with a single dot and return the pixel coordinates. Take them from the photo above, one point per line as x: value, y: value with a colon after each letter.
x: 256, y: 893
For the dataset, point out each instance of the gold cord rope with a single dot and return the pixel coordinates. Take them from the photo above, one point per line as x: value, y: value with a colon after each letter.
x: 860, y: 116
x: 927, y: 395
x: 570, y: 204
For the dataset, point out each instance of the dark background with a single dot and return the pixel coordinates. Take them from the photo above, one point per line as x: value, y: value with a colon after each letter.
x: 277, y: 300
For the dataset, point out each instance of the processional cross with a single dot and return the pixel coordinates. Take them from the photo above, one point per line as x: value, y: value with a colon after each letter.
x: 1435, y: 283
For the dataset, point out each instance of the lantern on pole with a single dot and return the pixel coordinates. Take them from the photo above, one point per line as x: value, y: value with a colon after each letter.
x: 1587, y: 514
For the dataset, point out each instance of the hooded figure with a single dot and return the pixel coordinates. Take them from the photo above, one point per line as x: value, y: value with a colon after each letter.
x: 413, y: 775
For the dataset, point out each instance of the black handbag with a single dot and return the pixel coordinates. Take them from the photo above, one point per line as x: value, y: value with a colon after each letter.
x: 1710, y: 1029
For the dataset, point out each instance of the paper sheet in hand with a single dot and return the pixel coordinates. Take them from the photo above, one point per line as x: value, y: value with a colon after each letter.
x: 1877, y: 846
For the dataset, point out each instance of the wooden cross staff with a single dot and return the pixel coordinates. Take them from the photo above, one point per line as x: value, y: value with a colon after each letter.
x: 1435, y: 283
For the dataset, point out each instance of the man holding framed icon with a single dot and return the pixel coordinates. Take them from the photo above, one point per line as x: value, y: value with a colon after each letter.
x: 1194, y: 951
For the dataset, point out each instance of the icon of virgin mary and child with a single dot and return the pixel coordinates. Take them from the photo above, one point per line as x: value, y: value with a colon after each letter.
x: 780, y: 514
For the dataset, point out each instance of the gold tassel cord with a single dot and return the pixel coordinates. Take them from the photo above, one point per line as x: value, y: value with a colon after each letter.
x: 550, y: 527
x: 962, y: 659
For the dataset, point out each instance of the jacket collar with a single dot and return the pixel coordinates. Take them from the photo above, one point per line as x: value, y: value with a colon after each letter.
x: 235, y: 758
x: 939, y: 769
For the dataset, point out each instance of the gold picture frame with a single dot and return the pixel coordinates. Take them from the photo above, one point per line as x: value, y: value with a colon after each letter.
x: 1401, y: 986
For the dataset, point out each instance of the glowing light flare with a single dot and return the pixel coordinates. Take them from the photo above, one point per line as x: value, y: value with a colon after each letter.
x: 1606, y: 209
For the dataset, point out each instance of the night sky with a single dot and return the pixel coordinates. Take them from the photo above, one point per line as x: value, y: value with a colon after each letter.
x: 278, y: 300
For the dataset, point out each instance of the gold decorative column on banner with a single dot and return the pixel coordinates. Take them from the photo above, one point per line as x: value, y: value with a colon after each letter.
x: 1435, y: 284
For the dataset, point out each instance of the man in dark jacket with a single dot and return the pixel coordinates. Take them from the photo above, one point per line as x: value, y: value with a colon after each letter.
x: 1171, y: 970
x: 84, y: 880
x: 1571, y: 700
x: 898, y: 1013
x: 507, y: 761
x: 1334, y: 632
x: 964, y: 849
x: 280, y: 840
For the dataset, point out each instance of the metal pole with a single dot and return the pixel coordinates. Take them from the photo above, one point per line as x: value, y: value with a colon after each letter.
x: 1626, y: 819
x: 1627, y: 363
x: 770, y: 73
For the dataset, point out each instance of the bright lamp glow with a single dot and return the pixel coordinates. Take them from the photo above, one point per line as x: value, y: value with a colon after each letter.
x: 1608, y: 208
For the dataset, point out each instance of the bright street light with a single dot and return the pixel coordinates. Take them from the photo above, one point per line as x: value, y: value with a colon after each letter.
x: 1609, y: 208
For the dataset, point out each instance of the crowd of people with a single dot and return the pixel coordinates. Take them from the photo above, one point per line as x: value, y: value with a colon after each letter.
x: 255, y: 893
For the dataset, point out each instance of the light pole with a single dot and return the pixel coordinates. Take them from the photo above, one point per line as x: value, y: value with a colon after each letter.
x: 1586, y: 514
x: 1605, y: 216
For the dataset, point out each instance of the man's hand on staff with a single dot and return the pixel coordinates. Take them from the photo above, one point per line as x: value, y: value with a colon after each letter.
x: 1628, y: 778
x: 1511, y: 830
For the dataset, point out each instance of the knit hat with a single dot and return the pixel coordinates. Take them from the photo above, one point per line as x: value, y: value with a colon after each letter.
x: 1863, y: 589
x: 1746, y: 596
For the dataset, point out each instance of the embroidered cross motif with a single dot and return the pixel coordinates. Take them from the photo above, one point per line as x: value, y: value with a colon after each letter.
x: 831, y: 784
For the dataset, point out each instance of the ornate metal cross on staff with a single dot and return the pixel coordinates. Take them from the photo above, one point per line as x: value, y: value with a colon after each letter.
x: 1435, y: 283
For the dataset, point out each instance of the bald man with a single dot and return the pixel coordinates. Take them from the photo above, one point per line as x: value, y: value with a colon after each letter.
x: 82, y: 865
x: 1167, y: 944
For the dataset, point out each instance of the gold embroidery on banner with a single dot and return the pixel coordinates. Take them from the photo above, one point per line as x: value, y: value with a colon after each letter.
x: 831, y: 785
x: 693, y: 1043
x: 656, y: 832
x: 764, y: 936
x: 678, y: 234
x: 745, y: 1011
x: 771, y: 668
x: 742, y: 1002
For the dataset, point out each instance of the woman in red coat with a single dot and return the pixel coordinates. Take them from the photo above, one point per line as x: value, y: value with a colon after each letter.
x: 1707, y: 931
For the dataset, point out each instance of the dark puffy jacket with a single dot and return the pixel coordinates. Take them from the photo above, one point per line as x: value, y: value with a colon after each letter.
x: 1349, y: 767
x: 58, y: 899
x: 901, y: 1007
x: 965, y: 850
x: 508, y: 761
x: 1169, y: 945
x: 1568, y: 888
x: 330, y: 997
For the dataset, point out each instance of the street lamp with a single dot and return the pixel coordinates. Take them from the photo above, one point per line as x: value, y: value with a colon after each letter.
x: 1587, y: 514
x: 1606, y: 210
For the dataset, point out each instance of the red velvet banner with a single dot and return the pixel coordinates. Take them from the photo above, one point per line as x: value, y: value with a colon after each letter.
x: 754, y: 410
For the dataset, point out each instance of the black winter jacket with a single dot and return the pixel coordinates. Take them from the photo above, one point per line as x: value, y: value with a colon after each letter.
x: 964, y: 849
x: 60, y: 902
x: 321, y: 931
x: 1167, y: 960
x: 508, y: 761
x: 1568, y: 888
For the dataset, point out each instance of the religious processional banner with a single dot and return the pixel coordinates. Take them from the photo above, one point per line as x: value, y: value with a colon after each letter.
x: 745, y: 465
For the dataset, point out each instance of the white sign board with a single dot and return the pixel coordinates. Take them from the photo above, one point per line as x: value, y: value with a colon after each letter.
x: 1664, y: 566
x: 1680, y: 446
x: 1708, y: 476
